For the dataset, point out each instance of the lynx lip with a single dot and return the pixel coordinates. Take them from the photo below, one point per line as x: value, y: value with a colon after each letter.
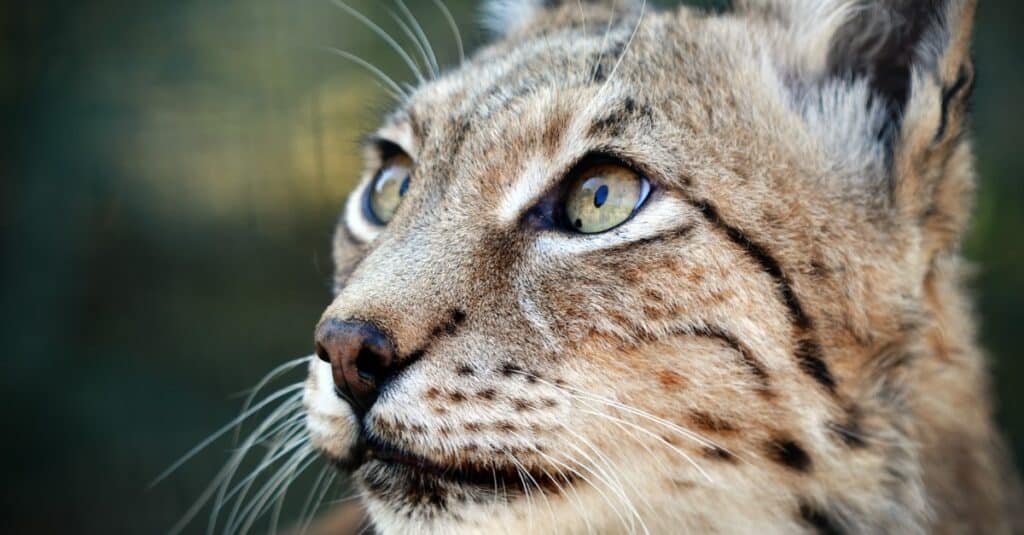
x: 376, y: 450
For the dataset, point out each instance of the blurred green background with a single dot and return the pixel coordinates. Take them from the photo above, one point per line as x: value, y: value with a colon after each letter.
x: 171, y: 172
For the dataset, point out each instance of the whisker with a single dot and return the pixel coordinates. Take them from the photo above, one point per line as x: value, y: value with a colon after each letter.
x: 271, y: 490
x: 375, y: 28
x: 435, y: 69
x: 273, y: 374
x: 625, y: 49
x: 415, y: 40
x: 394, y: 90
x: 455, y: 28
x: 601, y: 478
x: 583, y: 15
x: 554, y: 479
x: 220, y: 432
x: 291, y: 444
x: 225, y: 473
x: 604, y: 43
x: 581, y: 394
x: 308, y: 520
x: 285, y: 444
x: 520, y: 467
x: 683, y: 454
x: 610, y: 475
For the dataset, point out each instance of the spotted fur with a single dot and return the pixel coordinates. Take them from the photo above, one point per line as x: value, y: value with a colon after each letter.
x: 778, y: 341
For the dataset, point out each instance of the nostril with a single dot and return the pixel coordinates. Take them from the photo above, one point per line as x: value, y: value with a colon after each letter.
x: 371, y: 366
x: 322, y: 353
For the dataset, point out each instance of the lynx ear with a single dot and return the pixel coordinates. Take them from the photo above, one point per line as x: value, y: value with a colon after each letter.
x: 507, y: 17
x: 908, y: 61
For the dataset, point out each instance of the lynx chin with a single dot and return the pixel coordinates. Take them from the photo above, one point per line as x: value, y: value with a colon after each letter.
x: 625, y: 270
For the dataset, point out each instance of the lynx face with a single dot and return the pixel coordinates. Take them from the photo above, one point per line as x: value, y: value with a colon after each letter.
x: 627, y: 270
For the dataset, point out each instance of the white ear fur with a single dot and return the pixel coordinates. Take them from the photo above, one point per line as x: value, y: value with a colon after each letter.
x: 504, y: 17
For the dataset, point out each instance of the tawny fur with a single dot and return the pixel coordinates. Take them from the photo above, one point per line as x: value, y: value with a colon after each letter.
x: 782, y: 328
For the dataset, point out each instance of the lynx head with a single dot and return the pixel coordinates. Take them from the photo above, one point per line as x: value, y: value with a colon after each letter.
x: 630, y: 270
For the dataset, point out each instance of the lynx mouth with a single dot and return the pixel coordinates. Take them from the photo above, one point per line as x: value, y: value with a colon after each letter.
x: 389, y: 461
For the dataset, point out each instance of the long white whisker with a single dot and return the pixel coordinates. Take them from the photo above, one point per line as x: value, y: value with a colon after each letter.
x: 540, y: 491
x: 229, y: 468
x: 220, y: 432
x: 289, y: 445
x: 683, y: 454
x: 307, y: 518
x: 604, y: 43
x: 581, y: 394
x: 627, y: 523
x: 578, y: 506
x: 274, y: 488
x: 280, y: 488
x: 620, y: 490
x: 455, y: 28
x: 625, y: 50
x: 223, y: 481
x: 583, y: 15
x: 275, y: 373
x: 286, y: 445
x: 383, y: 35
x: 424, y: 56
x: 394, y: 90
x: 435, y: 69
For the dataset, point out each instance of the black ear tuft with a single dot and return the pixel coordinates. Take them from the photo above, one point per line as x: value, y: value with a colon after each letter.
x: 883, y: 42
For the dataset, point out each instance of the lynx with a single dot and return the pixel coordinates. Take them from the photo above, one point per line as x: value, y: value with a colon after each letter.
x: 637, y: 271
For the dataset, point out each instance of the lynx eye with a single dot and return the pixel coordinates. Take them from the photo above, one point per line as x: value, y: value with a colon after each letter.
x: 389, y: 187
x: 603, y: 197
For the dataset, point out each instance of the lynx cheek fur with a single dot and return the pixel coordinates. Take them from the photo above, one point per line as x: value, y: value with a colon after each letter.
x: 776, y: 340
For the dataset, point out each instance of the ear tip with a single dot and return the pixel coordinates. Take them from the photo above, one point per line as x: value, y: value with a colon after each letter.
x: 504, y: 17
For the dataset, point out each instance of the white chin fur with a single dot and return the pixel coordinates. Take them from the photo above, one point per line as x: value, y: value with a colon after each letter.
x: 330, y: 421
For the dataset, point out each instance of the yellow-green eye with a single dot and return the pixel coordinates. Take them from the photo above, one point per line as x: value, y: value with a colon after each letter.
x: 603, y: 197
x: 388, y: 188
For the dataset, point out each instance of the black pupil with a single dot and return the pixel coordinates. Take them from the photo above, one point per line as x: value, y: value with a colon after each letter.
x: 601, y: 196
x: 405, y: 186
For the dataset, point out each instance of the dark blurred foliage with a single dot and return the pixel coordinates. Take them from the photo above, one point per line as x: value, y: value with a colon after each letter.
x: 171, y: 172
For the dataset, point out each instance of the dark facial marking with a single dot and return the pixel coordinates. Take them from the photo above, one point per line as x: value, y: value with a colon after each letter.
x: 714, y: 452
x: 820, y: 521
x: 615, y: 122
x: 669, y: 235
x: 964, y: 80
x: 763, y: 258
x: 756, y: 367
x: 808, y: 355
x: 455, y: 318
x: 808, y: 352
x: 789, y: 454
x: 522, y: 405
x: 849, y: 432
x: 711, y: 424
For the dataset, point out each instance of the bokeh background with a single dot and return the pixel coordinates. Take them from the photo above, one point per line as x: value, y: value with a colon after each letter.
x: 170, y: 172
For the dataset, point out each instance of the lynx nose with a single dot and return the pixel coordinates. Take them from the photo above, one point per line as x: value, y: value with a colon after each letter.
x: 361, y: 357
